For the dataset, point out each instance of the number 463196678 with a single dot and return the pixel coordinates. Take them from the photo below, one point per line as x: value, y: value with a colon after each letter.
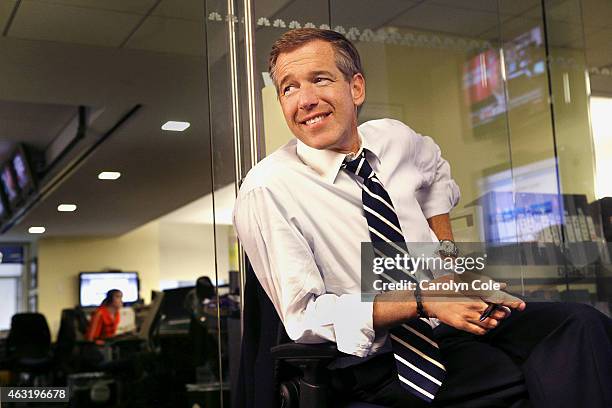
x: 34, y: 394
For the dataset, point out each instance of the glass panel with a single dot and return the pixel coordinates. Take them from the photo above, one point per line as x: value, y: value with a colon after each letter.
x: 534, y: 214
x: 575, y: 32
x: 87, y: 87
x: 230, y: 141
x: 502, y: 89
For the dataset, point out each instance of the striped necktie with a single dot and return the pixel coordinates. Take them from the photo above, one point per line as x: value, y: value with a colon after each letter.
x: 417, y: 355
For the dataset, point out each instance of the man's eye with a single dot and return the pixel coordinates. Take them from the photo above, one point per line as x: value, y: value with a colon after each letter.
x: 321, y: 79
x: 288, y: 89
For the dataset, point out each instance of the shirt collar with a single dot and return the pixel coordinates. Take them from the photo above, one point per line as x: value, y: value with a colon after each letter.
x: 327, y: 162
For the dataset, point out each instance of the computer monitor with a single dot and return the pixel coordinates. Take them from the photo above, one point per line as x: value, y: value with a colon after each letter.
x: 174, y: 306
x: 94, y: 285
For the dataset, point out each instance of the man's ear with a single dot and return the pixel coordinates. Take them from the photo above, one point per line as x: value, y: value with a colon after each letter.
x: 358, y: 89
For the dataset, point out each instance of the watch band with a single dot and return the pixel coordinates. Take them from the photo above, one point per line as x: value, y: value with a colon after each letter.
x: 419, y: 303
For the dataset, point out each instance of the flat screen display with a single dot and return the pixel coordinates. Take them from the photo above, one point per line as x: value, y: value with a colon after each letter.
x: 3, y: 210
x: 94, y: 285
x: 24, y: 179
x: 9, y: 184
x: 483, y: 83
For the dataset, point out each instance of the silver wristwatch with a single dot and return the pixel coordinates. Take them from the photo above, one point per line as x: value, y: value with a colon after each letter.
x: 448, y: 248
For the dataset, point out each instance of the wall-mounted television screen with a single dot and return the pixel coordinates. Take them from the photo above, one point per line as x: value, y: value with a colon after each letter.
x: 5, y: 209
x: 483, y: 82
x: 9, y: 185
x: 94, y: 285
x: 23, y: 171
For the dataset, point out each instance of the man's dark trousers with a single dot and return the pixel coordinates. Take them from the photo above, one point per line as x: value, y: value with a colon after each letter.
x: 549, y: 355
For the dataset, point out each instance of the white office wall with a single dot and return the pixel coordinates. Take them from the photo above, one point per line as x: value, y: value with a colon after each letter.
x: 187, y: 251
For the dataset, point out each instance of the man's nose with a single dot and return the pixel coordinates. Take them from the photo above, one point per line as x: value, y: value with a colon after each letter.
x: 308, y: 98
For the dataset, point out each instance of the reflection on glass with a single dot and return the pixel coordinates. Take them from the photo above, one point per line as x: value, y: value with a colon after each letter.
x: 501, y: 89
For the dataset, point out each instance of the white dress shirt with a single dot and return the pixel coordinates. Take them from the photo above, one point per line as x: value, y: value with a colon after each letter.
x: 299, y: 218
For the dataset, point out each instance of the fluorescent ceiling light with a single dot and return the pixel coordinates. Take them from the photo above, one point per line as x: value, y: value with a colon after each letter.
x: 36, y: 230
x: 175, y: 126
x: 66, y: 207
x: 109, y: 175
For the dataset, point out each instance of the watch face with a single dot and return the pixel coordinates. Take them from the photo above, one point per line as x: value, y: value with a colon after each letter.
x: 448, y: 248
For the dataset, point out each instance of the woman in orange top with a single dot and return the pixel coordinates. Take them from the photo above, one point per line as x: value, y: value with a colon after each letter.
x: 104, y: 321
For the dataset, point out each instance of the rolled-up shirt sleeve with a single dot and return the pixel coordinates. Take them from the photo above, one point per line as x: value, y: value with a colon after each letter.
x: 438, y: 192
x: 286, y: 268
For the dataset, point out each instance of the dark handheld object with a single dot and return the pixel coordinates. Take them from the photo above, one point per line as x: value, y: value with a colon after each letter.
x: 488, y: 311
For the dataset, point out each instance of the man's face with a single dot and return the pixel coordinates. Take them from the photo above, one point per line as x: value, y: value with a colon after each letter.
x: 319, y: 104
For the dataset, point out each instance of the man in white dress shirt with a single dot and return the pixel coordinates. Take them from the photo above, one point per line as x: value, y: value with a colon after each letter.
x: 299, y: 216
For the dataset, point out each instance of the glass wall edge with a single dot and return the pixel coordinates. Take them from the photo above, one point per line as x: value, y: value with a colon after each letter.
x: 251, y: 137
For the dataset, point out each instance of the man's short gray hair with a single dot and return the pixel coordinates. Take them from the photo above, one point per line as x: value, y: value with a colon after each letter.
x: 347, y: 56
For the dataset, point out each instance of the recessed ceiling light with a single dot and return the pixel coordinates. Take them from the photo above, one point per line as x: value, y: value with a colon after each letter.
x: 109, y: 175
x: 36, y: 230
x: 175, y: 126
x: 66, y: 207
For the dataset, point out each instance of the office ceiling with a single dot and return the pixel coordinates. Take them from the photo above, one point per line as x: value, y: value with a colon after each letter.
x: 113, y: 55
x: 109, y: 56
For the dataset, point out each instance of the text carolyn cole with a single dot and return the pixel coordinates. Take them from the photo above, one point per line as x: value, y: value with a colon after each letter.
x: 404, y: 284
x: 412, y: 264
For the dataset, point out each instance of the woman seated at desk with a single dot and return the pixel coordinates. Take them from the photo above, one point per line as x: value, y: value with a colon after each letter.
x: 105, y: 320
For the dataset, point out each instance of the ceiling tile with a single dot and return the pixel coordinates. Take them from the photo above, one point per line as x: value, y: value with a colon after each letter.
x: 564, y: 10
x: 187, y: 9
x: 511, y: 7
x: 481, y: 5
x: 514, y: 27
x: 601, y: 85
x: 170, y: 35
x: 565, y: 34
x: 49, y: 22
x: 597, y: 13
x: 127, y: 6
x: 445, y: 19
x: 598, y: 49
x: 315, y: 12
x: 558, y: 10
x: 6, y: 8
x: 361, y: 15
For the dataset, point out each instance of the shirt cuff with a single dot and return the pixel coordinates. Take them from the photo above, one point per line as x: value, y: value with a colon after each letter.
x: 439, y: 198
x: 353, y: 324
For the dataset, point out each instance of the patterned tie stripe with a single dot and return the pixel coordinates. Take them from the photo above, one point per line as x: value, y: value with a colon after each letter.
x: 417, y: 356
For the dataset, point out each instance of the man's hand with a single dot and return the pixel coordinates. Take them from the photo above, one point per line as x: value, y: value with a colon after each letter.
x: 463, y: 310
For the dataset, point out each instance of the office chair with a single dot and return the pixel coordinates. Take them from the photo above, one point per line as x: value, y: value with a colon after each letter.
x: 29, y: 347
x: 72, y: 353
x: 274, y: 371
x: 122, y: 370
x: 204, y: 342
x: 65, y: 346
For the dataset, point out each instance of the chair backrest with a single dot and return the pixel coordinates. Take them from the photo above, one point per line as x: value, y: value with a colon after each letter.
x: 148, y: 325
x: 81, y: 322
x: 67, y: 334
x: 29, y: 336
